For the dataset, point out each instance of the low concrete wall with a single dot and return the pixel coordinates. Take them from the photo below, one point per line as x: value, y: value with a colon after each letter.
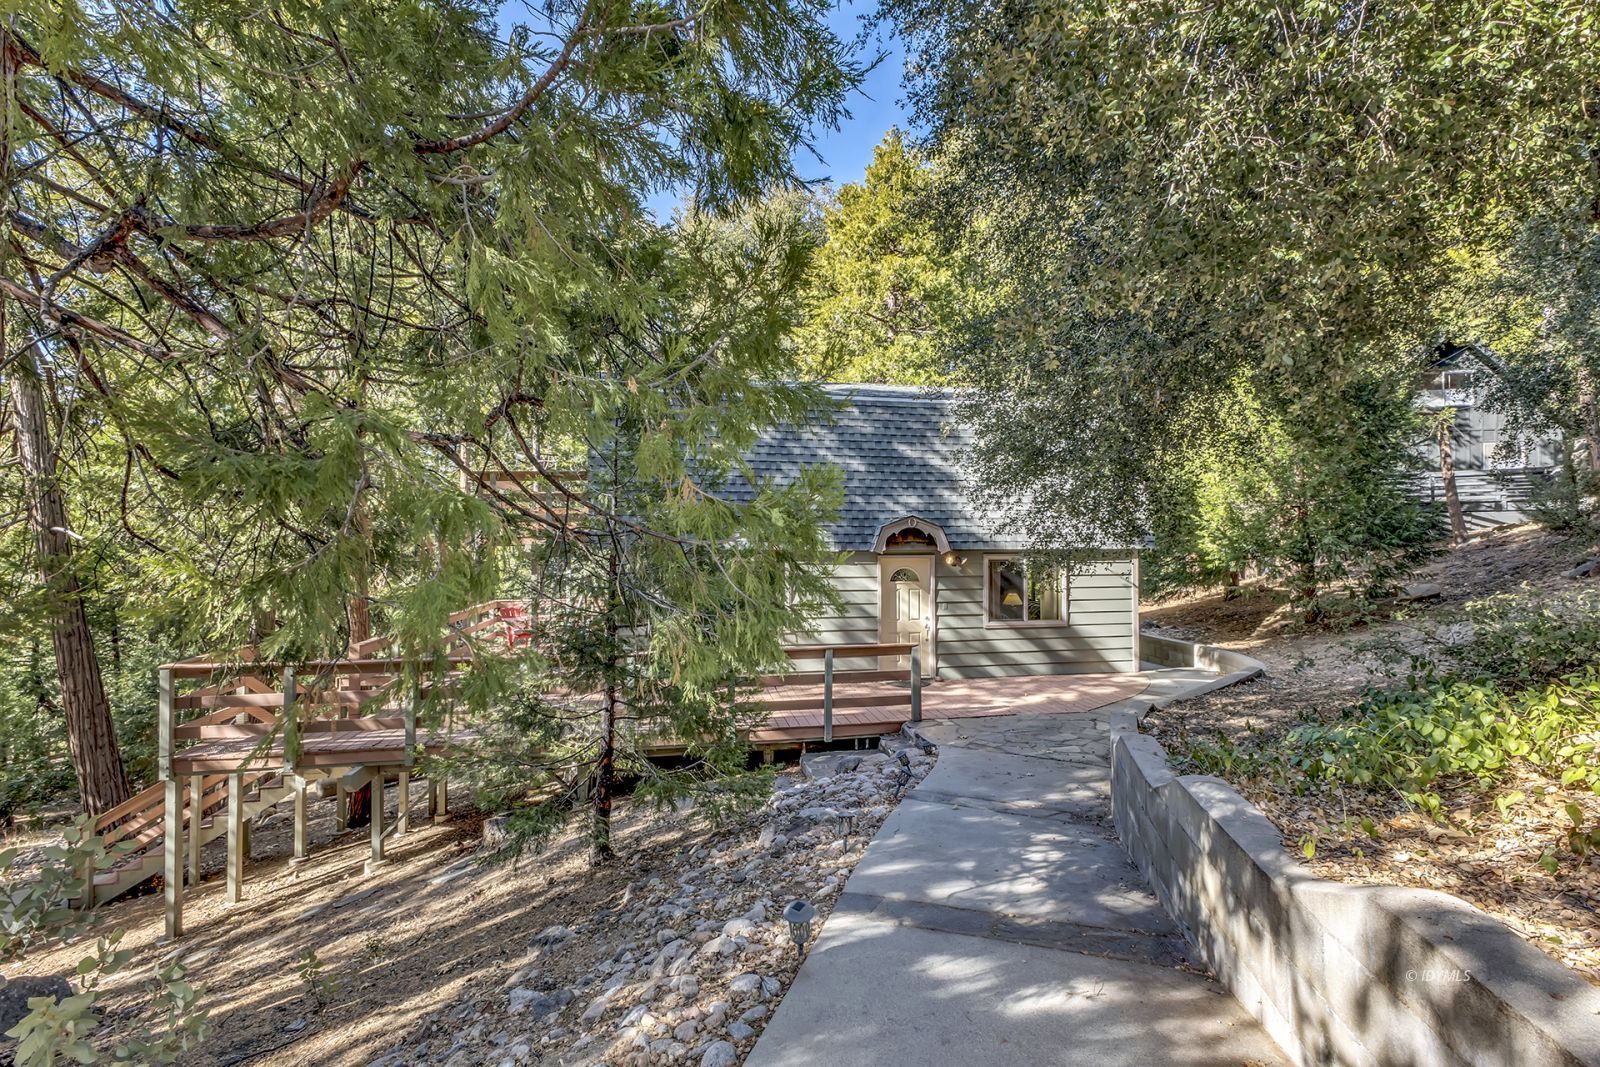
x: 1338, y: 974
x: 1229, y: 667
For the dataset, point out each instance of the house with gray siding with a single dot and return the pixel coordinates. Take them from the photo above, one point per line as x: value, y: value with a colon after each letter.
x: 1496, y: 473
x: 922, y: 562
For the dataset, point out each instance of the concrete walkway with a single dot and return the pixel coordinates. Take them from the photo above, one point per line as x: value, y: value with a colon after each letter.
x: 995, y: 919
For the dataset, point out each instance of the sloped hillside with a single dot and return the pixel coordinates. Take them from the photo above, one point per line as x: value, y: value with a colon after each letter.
x: 1506, y: 849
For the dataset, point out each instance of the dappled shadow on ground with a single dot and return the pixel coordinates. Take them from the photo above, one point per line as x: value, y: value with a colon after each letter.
x: 398, y: 945
x: 877, y: 993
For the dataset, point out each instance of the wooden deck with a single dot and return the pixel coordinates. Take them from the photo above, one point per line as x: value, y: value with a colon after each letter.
x: 1057, y: 694
x: 371, y: 748
x: 789, y: 725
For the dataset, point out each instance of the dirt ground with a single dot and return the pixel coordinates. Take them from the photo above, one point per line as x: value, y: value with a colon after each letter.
x: 431, y: 940
x: 1475, y: 853
x: 392, y: 945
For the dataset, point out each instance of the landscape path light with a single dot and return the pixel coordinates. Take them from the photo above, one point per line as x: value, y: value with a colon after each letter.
x: 847, y: 823
x: 800, y: 914
x: 903, y: 778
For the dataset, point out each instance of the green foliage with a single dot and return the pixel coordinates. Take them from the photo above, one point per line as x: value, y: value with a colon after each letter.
x: 888, y: 287
x: 1523, y: 693
x: 321, y: 987
x: 36, y: 907
x: 1583, y: 837
x: 676, y: 583
x: 1186, y: 197
x: 1312, y: 499
x: 1569, y: 503
x: 56, y: 1032
x: 1453, y: 729
x: 360, y: 253
x: 1528, y: 638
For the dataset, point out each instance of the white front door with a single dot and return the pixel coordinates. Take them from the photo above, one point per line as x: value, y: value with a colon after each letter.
x: 905, y: 599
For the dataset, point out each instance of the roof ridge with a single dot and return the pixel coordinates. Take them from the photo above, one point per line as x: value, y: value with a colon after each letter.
x: 857, y: 392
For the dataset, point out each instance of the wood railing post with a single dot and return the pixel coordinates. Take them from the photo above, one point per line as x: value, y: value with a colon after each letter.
x: 300, y: 836
x: 827, y: 696
x: 411, y: 721
x: 916, y: 683
x: 172, y: 831
x: 291, y: 723
x: 377, y: 859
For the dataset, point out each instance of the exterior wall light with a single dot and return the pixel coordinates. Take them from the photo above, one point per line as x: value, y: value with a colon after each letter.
x: 954, y: 559
x: 800, y: 914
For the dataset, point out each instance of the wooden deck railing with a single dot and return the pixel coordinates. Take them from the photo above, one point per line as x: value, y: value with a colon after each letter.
x: 912, y: 673
x: 241, y: 697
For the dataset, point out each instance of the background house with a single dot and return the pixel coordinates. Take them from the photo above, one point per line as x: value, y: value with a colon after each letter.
x: 924, y: 562
x: 1493, y: 479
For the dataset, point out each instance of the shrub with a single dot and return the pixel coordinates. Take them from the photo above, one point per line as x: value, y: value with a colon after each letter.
x: 1531, y: 637
x: 36, y: 908
x: 1567, y: 502
x: 1524, y: 690
x: 1450, y: 728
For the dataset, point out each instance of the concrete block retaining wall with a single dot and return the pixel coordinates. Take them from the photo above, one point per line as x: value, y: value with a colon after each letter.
x: 1338, y: 974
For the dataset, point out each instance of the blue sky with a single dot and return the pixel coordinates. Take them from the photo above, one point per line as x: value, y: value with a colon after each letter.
x: 847, y: 151
x: 841, y: 154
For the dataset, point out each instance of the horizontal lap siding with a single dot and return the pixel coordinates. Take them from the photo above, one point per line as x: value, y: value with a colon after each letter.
x: 1097, y: 636
x: 855, y: 622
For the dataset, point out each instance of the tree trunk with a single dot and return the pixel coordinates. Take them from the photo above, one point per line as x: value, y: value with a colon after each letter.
x: 1306, y: 577
x: 360, y: 619
x: 1447, y: 468
x: 1589, y: 413
x: 605, y: 772
x: 360, y: 809
x: 102, y: 782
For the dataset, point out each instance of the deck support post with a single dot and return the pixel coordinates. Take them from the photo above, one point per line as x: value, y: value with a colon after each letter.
x: 341, y: 808
x: 172, y: 843
x: 441, y: 798
x: 916, y: 683
x: 235, y: 837
x: 827, y: 696
x: 299, y: 819
x: 197, y: 807
x: 402, y: 803
x: 377, y: 859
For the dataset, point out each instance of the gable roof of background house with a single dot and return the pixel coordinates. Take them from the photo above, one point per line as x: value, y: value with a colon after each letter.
x: 901, y: 451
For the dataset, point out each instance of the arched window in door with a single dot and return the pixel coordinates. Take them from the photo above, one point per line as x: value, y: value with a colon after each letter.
x: 905, y: 574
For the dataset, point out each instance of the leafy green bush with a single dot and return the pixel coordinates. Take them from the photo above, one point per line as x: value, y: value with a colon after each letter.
x: 35, y: 908
x: 1449, y: 728
x: 1525, y: 690
x: 1531, y: 637
x: 1569, y: 503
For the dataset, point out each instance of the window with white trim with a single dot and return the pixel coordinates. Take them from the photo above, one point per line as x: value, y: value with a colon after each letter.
x: 1019, y: 593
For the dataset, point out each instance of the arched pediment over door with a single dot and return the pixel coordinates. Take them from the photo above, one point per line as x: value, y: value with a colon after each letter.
x: 910, y: 529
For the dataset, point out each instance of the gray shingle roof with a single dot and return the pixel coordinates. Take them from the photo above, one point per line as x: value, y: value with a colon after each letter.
x: 901, y: 451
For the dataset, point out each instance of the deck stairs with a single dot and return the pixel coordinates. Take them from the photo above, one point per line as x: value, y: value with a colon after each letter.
x: 134, y: 829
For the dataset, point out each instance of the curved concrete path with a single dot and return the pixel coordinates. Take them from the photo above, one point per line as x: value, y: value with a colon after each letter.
x: 995, y: 919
